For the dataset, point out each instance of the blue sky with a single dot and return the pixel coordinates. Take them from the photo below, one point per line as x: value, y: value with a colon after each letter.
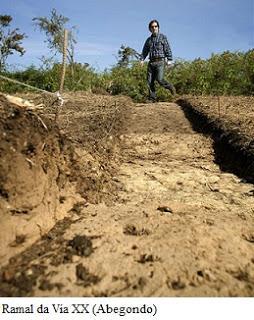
x: 195, y: 28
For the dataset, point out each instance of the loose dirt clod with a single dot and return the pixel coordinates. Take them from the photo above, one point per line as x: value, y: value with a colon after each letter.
x: 177, y: 284
x: 132, y: 230
x: 165, y: 209
x: 86, y: 278
x: 81, y: 245
x: 147, y: 258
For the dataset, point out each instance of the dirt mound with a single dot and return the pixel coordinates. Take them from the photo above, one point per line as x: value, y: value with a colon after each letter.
x: 49, y: 168
x: 94, y: 124
x: 35, y: 189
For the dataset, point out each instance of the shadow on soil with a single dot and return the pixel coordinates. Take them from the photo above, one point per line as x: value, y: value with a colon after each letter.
x: 229, y: 154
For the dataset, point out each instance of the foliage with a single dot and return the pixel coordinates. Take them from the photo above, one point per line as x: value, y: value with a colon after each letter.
x: 229, y: 73
x: 85, y: 78
x: 10, y: 40
x: 54, y: 27
x: 125, y: 55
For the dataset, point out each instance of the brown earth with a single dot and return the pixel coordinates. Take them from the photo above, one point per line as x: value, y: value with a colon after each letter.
x: 230, y: 122
x: 160, y: 210
x: 33, y: 178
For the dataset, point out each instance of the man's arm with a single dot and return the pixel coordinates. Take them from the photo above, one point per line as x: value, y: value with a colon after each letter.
x: 167, y: 49
x: 145, y: 50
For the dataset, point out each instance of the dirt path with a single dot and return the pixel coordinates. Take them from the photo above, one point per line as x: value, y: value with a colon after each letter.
x: 180, y: 226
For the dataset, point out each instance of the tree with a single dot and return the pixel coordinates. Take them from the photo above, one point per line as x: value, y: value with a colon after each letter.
x: 10, y: 40
x: 54, y: 29
x: 125, y: 55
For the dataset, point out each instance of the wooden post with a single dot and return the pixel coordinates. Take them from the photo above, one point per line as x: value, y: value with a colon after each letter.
x: 64, y: 60
x: 63, y: 70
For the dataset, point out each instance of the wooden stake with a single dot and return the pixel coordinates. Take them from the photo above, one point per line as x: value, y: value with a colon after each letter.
x: 63, y: 70
x: 64, y: 60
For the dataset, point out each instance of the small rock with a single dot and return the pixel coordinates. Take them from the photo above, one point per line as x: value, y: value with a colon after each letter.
x: 62, y: 199
x: 83, y: 274
x: 81, y: 245
x: 249, y: 237
x: 146, y: 258
x: 177, y: 284
x: 131, y: 229
x: 165, y: 209
x: 209, y: 222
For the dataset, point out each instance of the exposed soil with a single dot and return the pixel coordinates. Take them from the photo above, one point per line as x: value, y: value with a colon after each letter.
x: 48, y: 167
x: 158, y: 213
x: 34, y: 186
x: 230, y: 122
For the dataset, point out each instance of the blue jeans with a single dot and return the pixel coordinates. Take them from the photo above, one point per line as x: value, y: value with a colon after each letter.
x: 155, y: 72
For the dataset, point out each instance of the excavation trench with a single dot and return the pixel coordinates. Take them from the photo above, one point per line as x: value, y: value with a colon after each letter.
x: 177, y: 225
x: 232, y: 152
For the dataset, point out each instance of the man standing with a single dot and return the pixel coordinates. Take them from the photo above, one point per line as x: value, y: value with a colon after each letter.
x: 159, y: 51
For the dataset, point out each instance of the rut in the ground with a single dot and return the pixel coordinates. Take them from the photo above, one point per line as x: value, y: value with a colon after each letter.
x: 180, y: 226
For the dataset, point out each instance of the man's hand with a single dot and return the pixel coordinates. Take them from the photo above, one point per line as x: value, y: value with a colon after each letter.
x: 142, y: 63
x: 170, y: 64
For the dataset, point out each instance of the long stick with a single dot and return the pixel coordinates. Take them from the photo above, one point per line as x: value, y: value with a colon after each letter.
x: 63, y: 69
x: 64, y: 60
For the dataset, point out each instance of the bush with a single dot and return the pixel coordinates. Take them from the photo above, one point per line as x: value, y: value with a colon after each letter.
x: 222, y: 74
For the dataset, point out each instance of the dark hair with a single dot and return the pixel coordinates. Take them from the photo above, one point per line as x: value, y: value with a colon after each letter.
x: 151, y: 22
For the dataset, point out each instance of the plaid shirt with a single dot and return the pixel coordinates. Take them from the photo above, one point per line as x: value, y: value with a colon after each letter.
x: 157, y: 47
